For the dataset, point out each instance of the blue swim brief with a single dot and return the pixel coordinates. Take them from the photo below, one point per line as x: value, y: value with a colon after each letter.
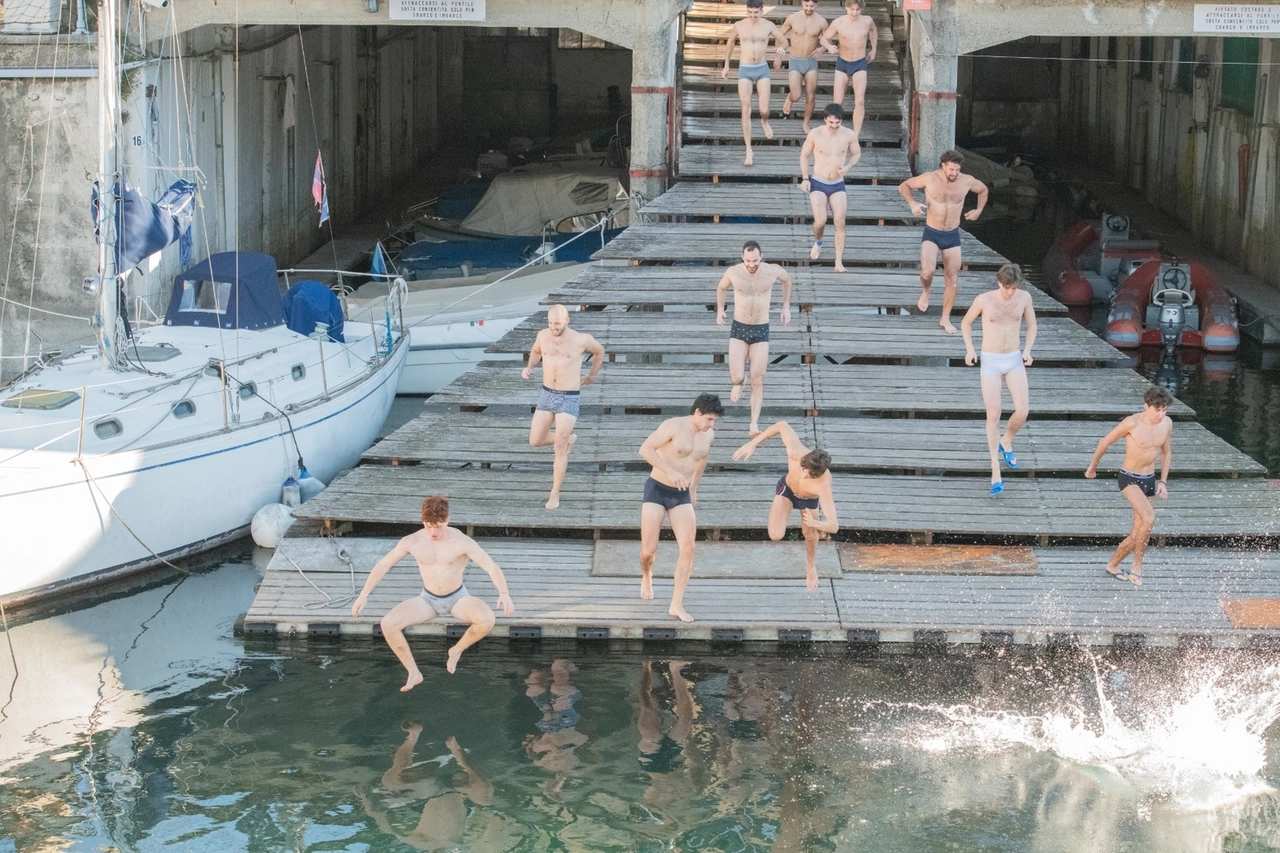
x: 827, y: 188
x: 750, y: 333
x: 942, y: 239
x: 754, y: 71
x: 802, y: 64
x: 443, y: 604
x: 851, y: 67
x: 559, y: 402
x: 784, y: 491
x: 668, y: 497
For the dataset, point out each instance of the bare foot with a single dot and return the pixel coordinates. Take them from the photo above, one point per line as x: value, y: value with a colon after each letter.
x: 754, y: 430
x: 735, y: 393
x: 646, y: 588
x: 786, y: 107
x: 840, y: 266
x: 945, y: 323
x: 768, y: 131
x: 804, y: 127
x: 811, y: 578
x: 415, y: 678
x: 749, y: 161
x: 680, y: 613
x: 923, y: 304
x: 452, y: 663
x: 553, y: 502
x: 815, y: 251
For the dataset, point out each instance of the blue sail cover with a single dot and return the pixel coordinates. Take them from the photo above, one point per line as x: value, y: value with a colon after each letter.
x: 234, y: 290
x: 310, y: 302
x: 144, y: 228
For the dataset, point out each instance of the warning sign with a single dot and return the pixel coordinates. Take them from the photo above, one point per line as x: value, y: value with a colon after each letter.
x: 1237, y: 20
x: 437, y: 10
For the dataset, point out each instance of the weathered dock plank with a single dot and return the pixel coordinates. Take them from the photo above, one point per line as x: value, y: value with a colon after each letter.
x: 771, y: 201
x: 812, y: 288
x: 833, y: 334
x: 705, y: 128
x: 880, y: 165
x: 881, y: 106
x: 867, y: 245
x: 1044, y: 447
x: 739, y: 500
x: 791, y: 390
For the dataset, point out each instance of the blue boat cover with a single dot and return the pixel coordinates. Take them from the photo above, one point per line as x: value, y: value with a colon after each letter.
x: 234, y: 290
x: 144, y: 228
x: 310, y: 302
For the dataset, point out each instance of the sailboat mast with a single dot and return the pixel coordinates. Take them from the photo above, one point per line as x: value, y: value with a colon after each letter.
x: 108, y: 120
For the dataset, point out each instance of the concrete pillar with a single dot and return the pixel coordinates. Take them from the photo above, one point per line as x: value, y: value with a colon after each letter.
x: 653, y: 108
x: 933, y: 59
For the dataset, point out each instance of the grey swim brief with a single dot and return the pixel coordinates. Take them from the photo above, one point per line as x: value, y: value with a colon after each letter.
x: 443, y: 604
x: 803, y: 64
x: 754, y: 71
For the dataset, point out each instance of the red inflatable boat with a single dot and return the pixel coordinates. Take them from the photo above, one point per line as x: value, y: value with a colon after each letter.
x: 1173, y: 303
x: 1087, y: 262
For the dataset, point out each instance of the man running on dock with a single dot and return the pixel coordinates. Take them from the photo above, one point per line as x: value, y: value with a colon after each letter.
x: 835, y: 150
x: 754, y: 31
x: 854, y: 30
x: 1145, y: 435
x: 677, y: 450
x: 752, y: 282
x: 442, y: 554
x: 560, y: 349
x: 945, y: 190
x: 1002, y: 311
x: 806, y: 486
x: 804, y: 29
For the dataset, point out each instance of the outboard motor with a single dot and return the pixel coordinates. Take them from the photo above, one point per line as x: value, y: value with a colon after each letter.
x: 1172, y: 304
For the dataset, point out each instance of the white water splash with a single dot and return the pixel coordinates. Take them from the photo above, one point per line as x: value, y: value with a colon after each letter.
x: 1196, y: 744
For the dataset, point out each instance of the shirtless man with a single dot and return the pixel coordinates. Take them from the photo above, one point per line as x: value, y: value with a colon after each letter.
x: 752, y: 283
x: 835, y: 150
x: 560, y: 349
x: 806, y: 486
x: 803, y: 28
x: 677, y: 450
x: 442, y: 553
x: 1145, y: 434
x: 753, y: 66
x: 944, y: 194
x: 854, y: 31
x: 1002, y: 311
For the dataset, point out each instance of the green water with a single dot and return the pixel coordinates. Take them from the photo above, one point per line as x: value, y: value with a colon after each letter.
x: 143, y: 724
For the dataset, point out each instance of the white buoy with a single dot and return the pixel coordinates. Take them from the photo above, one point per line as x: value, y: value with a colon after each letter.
x: 269, y: 525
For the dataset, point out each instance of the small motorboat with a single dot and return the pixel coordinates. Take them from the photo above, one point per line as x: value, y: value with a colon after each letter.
x: 1090, y: 260
x: 1173, y: 303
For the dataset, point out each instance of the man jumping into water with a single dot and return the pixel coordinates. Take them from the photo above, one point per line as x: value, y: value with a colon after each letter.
x: 442, y: 554
x: 804, y: 28
x: 677, y: 450
x: 944, y: 193
x: 752, y: 283
x: 854, y: 30
x: 806, y: 486
x: 560, y: 349
x: 753, y: 66
x: 1002, y: 311
x: 835, y: 150
x: 1146, y: 435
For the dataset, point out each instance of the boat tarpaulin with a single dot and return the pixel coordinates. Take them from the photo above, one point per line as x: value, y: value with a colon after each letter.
x: 310, y: 302
x: 523, y: 203
x: 234, y: 290
x: 144, y: 227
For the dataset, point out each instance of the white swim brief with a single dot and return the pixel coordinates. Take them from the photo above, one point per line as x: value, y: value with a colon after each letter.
x: 1001, y: 363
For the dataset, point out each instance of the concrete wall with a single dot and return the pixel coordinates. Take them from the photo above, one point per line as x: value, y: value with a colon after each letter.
x: 1182, y: 150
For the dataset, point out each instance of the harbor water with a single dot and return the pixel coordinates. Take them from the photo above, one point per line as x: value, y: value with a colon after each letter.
x: 142, y: 723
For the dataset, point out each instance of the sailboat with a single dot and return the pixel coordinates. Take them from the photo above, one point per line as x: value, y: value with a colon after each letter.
x: 165, y: 441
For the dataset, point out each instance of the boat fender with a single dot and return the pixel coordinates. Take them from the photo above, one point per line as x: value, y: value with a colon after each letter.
x: 269, y: 525
x: 291, y: 493
x: 308, y: 486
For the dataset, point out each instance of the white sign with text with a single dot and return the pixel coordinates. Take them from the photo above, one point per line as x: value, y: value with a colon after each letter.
x: 437, y: 10
x: 1244, y: 20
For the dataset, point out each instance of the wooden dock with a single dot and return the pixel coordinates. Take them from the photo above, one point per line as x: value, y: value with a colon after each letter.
x: 924, y: 554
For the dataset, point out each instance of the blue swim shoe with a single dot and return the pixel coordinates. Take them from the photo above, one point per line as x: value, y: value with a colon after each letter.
x: 1010, y: 458
x: 997, y: 488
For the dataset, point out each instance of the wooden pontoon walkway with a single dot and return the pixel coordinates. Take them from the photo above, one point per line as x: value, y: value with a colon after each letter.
x: 926, y: 556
